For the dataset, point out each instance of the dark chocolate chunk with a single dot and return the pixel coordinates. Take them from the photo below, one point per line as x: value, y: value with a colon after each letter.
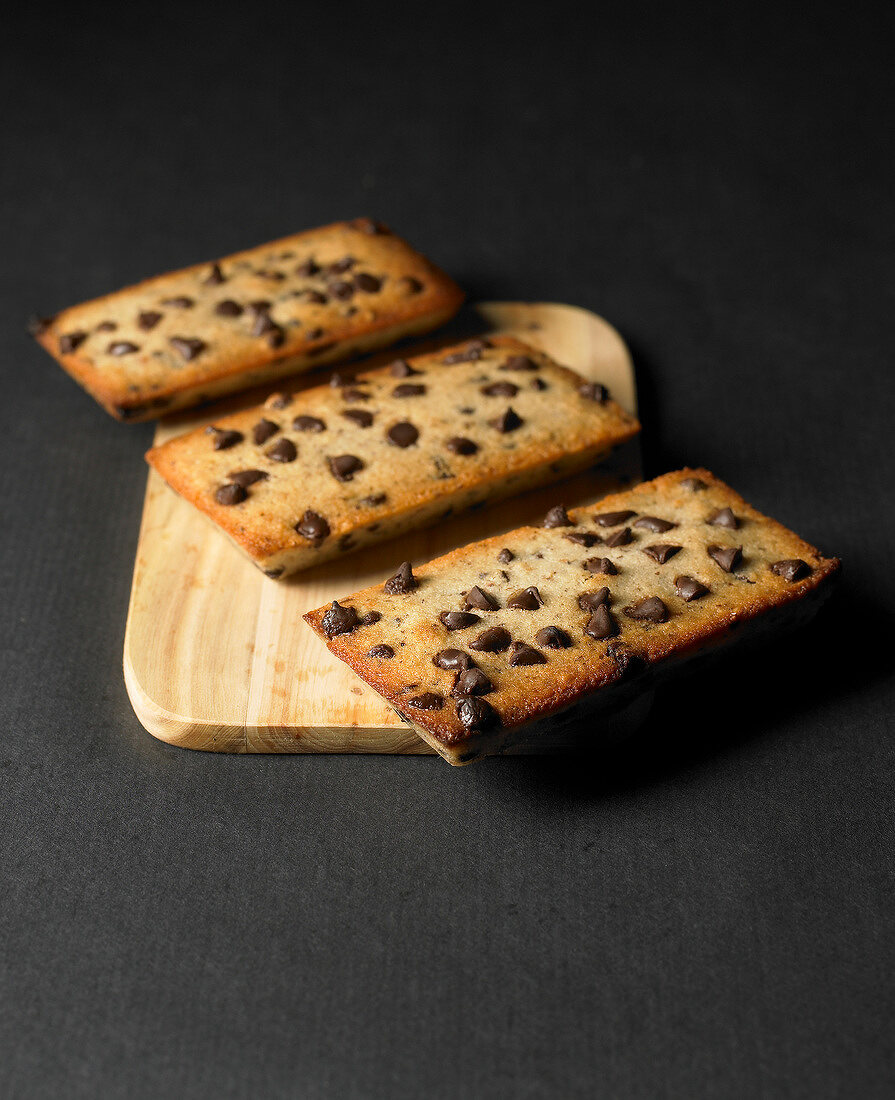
x: 590, y: 601
x: 372, y: 501
x: 506, y: 556
x: 371, y: 616
x: 557, y: 517
x: 460, y: 445
x: 259, y: 307
x: 308, y: 424
x: 408, y: 389
x: 653, y: 523
x: 338, y: 266
x: 688, y: 588
x: 472, y: 681
x: 538, y: 384
x: 728, y: 557
x: 233, y: 493
x: 315, y: 297
x: 403, y: 434
x: 458, y: 620
x: 582, y: 538
x: 601, y: 565
x: 612, y: 519
x: 521, y: 653
x: 284, y: 450
x: 122, y: 347
x: 148, y: 319
x: 476, y: 714
x: 188, y: 346
x: 245, y: 478
x: 278, y: 401
x: 528, y: 599
x: 263, y: 430
x: 469, y: 354
x: 650, y: 610
x: 478, y: 598
x: 519, y: 362
x: 429, y: 700
x: 265, y: 326
x: 224, y: 438
x: 382, y: 652
x: 369, y: 284
x: 500, y: 389
x: 553, y: 637
x: 215, y: 277
x: 106, y: 326
x: 70, y: 341
x: 307, y: 269
x: 619, y: 538
x: 401, y: 582
x: 661, y: 551
x: 593, y: 391
x: 694, y: 484
x: 452, y: 659
x: 341, y: 289
x: 361, y: 417
x: 353, y: 395
x: 344, y: 467
x: 508, y: 421
x: 723, y: 518
x: 601, y: 624
x: 793, y: 569
x: 339, y: 620
x: 400, y: 368
x: 493, y: 640
x: 181, y: 302
x: 409, y: 285
x: 312, y: 527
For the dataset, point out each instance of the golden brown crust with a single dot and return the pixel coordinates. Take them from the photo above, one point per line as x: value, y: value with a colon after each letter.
x: 397, y: 487
x: 240, y: 351
x: 545, y: 558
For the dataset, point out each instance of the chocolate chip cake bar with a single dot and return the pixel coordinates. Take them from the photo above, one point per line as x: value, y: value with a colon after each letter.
x: 303, y: 479
x: 253, y: 317
x: 552, y: 625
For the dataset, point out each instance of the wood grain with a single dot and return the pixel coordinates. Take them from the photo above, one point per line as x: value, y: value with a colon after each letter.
x: 216, y: 655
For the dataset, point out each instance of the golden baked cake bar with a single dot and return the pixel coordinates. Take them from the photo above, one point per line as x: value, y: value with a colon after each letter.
x: 303, y: 479
x: 545, y: 627
x: 278, y: 309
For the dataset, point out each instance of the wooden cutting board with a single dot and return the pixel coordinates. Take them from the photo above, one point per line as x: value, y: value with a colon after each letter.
x: 216, y: 655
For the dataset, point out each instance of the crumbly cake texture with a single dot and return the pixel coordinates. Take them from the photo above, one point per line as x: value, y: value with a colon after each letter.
x: 475, y: 647
x: 250, y: 318
x: 305, y: 478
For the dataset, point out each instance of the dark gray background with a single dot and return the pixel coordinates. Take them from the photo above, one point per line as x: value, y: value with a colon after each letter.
x: 707, y: 911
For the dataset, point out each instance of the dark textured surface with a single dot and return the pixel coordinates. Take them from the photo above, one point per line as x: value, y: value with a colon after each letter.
x: 707, y: 912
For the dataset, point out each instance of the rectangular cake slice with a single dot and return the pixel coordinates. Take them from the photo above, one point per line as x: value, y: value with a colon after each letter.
x: 303, y: 479
x: 278, y: 309
x: 544, y: 626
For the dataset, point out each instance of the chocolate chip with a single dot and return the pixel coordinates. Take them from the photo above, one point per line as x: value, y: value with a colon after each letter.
x: 650, y: 610
x: 308, y: 424
x: 408, y: 389
x: 723, y: 518
x: 361, y: 417
x: 341, y: 289
x: 590, y: 601
x: 612, y: 519
x: 469, y: 354
x: 367, y: 225
x: 521, y: 653
x: 122, y: 347
x: 528, y: 599
x: 793, y: 569
x: 181, y: 302
x: 452, y: 659
x: 234, y: 493
x: 353, y: 395
x: 267, y: 273
x: 582, y: 538
x: 478, y: 598
x: 409, y: 285
x: 403, y: 434
x: 601, y: 565
x: 500, y: 389
x: 315, y: 297
x: 312, y: 526
x: 263, y: 430
x: 369, y: 284
x: 245, y: 478
x: 70, y: 341
x: 148, y: 320
x: 215, y: 277
x: 372, y: 501
x: 601, y: 624
x: 460, y: 445
x: 338, y: 266
x: 264, y: 324
x: 284, y: 450
x: 402, y: 582
x: 400, y: 368
x: 688, y: 588
x: 619, y: 538
x: 538, y: 384
x: 694, y: 484
x: 593, y: 391
x: 339, y: 620
x: 106, y: 326
x: 224, y: 438
x: 508, y: 421
x: 493, y: 640
x: 344, y: 467
x: 519, y: 362
x: 259, y: 308
x: 506, y: 556
x: 429, y: 700
x: 381, y: 652
x: 188, y: 346
x: 458, y: 620
x: 653, y: 523
x: 557, y: 517
x: 278, y: 401
x: 371, y: 616
x: 728, y: 557
x: 472, y: 681
x: 552, y: 637
x: 307, y: 269
x: 476, y: 714
x: 661, y: 551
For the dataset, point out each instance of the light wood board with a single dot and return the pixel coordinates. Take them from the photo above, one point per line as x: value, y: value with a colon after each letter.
x: 217, y: 656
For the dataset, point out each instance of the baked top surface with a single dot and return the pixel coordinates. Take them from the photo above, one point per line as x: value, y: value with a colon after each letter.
x: 387, y: 442
x: 687, y: 591
x: 297, y: 295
